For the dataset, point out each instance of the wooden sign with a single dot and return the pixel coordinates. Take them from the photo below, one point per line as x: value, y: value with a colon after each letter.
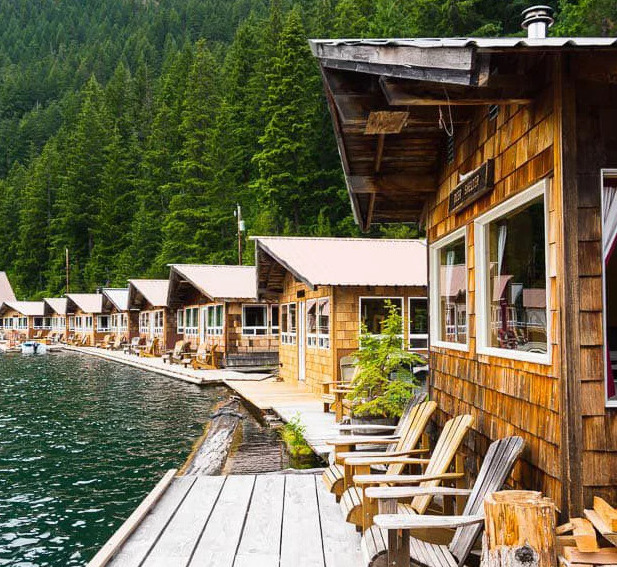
x: 477, y: 183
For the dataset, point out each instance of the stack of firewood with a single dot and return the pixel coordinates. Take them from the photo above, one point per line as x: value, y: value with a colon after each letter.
x: 591, y: 540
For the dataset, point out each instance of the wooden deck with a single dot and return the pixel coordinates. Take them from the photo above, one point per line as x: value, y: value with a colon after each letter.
x: 272, y: 520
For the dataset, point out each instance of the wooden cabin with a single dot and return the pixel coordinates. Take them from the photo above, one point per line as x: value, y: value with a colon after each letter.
x: 88, y: 322
x: 506, y: 149
x: 155, y: 319
x: 23, y: 320
x: 218, y: 305
x: 122, y: 321
x: 328, y: 288
x: 55, y: 311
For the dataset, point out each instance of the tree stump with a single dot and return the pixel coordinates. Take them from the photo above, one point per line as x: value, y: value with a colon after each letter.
x: 520, y: 530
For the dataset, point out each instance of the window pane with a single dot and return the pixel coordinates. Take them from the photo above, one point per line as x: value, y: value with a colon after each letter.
x: 418, y: 317
x: 292, y: 317
x: 255, y: 315
x: 284, y: 321
x: 373, y: 311
x: 219, y: 315
x: 311, y: 317
x: 453, y: 292
x: 324, y: 316
x: 517, y: 280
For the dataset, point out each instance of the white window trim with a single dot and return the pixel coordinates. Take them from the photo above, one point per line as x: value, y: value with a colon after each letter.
x: 157, y: 331
x: 434, y: 304
x: 289, y: 338
x: 193, y: 329
x: 99, y: 327
x: 384, y: 297
x: 317, y: 339
x: 266, y: 328
x: 416, y: 336
x: 216, y: 331
x: 607, y: 403
x: 540, y: 189
x: 274, y: 322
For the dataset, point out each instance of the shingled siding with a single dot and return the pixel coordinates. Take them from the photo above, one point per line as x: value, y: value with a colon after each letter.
x: 505, y: 396
x: 596, y: 118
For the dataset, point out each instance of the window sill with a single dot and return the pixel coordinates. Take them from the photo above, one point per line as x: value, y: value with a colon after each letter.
x: 521, y: 356
x: 463, y: 347
x: 611, y: 404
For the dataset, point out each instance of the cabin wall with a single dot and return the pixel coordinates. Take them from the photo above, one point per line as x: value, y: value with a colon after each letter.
x: 506, y: 397
x: 18, y: 335
x: 239, y: 343
x: 596, y: 148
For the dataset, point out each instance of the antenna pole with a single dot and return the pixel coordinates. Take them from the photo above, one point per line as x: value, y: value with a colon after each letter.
x: 240, y: 229
x: 67, y: 268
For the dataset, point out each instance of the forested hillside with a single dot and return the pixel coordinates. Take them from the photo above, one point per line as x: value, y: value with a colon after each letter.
x: 129, y: 129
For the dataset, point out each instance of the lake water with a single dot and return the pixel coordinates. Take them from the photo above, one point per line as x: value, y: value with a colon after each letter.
x: 83, y: 440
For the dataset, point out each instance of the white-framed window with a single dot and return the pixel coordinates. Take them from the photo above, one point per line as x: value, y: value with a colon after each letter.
x: 88, y: 320
x: 38, y: 323
x: 449, y: 298
x: 22, y: 323
x: 71, y: 323
x: 418, y: 323
x: 609, y: 281
x: 157, y: 323
x: 47, y: 323
x: 323, y: 322
x: 311, y: 323
x: 79, y: 325
x: 144, y: 323
x: 254, y: 319
x: 511, y: 243
x: 103, y: 323
x: 288, y: 324
x: 180, y: 321
x: 191, y: 321
x: 374, y: 310
x: 215, y: 319
x: 274, y: 319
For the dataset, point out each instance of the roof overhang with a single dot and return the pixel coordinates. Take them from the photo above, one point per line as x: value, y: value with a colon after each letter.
x: 271, y: 270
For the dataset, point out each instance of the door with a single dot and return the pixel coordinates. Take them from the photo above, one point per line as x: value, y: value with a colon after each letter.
x: 301, y: 323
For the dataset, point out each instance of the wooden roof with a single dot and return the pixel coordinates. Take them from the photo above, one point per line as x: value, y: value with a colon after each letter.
x: 386, y: 98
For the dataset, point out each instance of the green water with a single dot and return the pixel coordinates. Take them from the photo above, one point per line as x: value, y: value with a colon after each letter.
x: 82, y: 441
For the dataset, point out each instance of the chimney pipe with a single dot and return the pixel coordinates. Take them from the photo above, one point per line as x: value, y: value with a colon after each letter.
x: 536, y: 21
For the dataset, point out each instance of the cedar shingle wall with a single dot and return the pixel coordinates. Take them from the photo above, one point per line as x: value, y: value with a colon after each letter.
x: 505, y: 396
x: 596, y: 149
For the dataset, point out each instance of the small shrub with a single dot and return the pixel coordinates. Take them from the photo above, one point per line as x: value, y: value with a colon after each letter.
x: 292, y: 434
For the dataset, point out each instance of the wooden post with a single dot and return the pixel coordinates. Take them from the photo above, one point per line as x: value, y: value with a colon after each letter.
x: 520, y: 530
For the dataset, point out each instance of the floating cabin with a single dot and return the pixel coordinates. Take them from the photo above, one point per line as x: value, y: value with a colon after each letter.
x: 506, y: 149
x: 23, y: 320
x: 218, y: 305
x: 122, y: 321
x: 55, y: 311
x: 329, y: 287
x: 155, y: 319
x: 88, y: 323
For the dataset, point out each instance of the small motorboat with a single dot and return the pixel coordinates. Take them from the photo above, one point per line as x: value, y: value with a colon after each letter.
x: 33, y: 347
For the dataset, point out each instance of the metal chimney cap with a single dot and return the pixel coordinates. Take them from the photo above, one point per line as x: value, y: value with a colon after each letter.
x: 537, y: 15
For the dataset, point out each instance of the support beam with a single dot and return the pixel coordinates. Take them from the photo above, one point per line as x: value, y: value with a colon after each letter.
x: 381, y: 140
x: 393, y: 184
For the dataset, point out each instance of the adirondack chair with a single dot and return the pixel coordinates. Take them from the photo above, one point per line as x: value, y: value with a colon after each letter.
x: 133, y: 347
x: 52, y: 336
x: 85, y: 341
x: 360, y: 510
x: 175, y: 355
x: 405, y: 440
x: 333, y: 394
x: 150, y: 349
x: 105, y: 342
x: 38, y: 335
x: 205, y: 358
x: 389, y: 542
x: 59, y: 337
x: 117, y: 343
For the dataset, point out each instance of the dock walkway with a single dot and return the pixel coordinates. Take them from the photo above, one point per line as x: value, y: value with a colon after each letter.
x: 271, y: 520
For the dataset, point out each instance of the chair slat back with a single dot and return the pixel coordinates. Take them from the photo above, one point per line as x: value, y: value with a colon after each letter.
x: 404, y: 419
x: 494, y: 472
x: 348, y: 368
x: 411, y: 430
x: 448, y: 444
x: 179, y: 348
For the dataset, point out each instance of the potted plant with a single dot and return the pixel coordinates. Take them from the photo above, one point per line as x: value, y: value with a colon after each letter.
x: 384, y: 381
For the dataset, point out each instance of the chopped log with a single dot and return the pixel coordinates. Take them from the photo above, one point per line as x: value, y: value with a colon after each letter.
x: 604, y: 556
x: 606, y: 512
x: 601, y: 526
x: 210, y: 454
x: 519, y: 530
x: 584, y: 535
x: 564, y: 528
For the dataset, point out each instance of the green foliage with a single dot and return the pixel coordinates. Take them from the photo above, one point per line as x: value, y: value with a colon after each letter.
x: 292, y: 434
x: 384, y: 382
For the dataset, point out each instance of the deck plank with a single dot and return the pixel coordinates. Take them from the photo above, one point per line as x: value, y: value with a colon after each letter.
x: 301, y: 544
x: 341, y: 542
x: 179, y: 539
x: 261, y: 539
x: 145, y: 536
x: 219, y: 541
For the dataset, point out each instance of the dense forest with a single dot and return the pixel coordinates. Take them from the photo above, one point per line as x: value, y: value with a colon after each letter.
x: 129, y: 129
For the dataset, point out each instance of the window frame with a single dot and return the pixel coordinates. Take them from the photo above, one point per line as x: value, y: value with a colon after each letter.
x: 383, y: 297
x: 180, y: 321
x: 311, y: 338
x: 191, y: 330
x: 540, y: 189
x: 216, y: 330
x: 288, y: 337
x: 411, y: 335
x: 254, y: 332
x: 275, y: 321
x: 434, y: 292
x: 609, y: 172
x: 99, y: 327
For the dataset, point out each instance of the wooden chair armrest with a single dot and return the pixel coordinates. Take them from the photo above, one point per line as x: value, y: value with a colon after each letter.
x: 366, y: 427
x: 408, y: 522
x: 386, y: 459
x: 363, y: 440
x: 397, y: 492
x: 341, y: 390
x: 363, y: 454
x: 403, y: 478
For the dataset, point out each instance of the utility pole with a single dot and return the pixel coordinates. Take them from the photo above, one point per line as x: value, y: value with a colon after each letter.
x: 67, y: 268
x: 241, y: 229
